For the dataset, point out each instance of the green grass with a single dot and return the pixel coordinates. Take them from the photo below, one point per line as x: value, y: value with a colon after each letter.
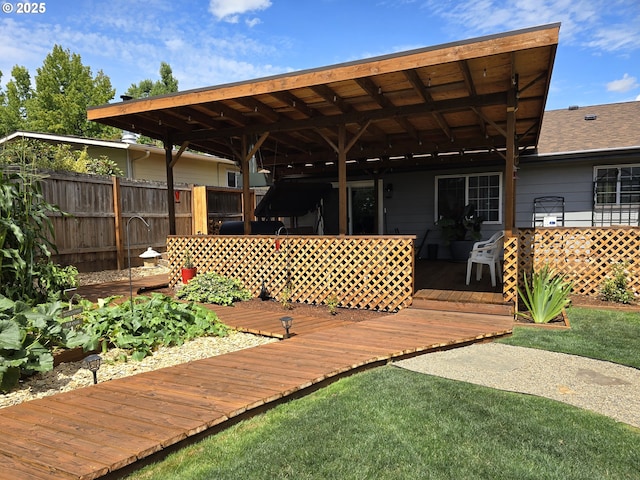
x: 601, y: 334
x: 390, y: 423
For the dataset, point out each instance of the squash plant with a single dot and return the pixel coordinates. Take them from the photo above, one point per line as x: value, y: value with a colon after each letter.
x: 27, y: 337
x: 154, y: 320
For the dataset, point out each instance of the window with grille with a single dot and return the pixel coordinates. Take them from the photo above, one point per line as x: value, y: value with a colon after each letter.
x: 616, y: 194
x: 483, y: 191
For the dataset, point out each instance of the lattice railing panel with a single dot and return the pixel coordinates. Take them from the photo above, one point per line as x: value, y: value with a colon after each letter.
x: 510, y: 269
x: 583, y: 255
x: 361, y: 272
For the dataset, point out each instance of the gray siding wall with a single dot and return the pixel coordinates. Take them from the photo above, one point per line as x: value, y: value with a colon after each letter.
x: 411, y: 209
x: 572, y: 181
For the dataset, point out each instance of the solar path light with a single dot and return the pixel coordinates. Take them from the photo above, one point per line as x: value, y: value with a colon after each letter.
x: 92, y: 362
x: 286, y: 324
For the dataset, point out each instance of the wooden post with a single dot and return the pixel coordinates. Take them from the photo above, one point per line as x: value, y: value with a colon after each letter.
x: 168, y: 147
x: 342, y: 180
x: 510, y: 171
x: 246, y: 187
x: 118, y: 224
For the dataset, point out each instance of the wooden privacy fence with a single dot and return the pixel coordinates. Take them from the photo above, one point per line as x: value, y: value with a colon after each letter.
x: 374, y: 273
x: 582, y: 254
x: 94, y: 236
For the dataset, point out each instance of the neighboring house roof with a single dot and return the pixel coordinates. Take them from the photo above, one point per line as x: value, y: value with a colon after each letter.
x: 83, y: 141
x: 608, y: 127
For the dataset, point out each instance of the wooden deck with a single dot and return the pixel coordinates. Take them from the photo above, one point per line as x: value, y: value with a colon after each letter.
x: 268, y: 323
x: 106, y: 429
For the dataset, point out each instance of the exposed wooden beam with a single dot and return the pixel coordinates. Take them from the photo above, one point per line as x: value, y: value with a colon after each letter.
x: 374, y: 92
x: 493, y: 99
x: 179, y: 153
x: 294, y: 102
x: 258, y: 108
x: 421, y: 89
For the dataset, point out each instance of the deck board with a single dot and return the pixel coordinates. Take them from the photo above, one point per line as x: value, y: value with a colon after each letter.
x: 89, y: 432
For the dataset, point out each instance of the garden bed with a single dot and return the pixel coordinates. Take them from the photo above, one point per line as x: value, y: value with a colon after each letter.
x: 561, y: 322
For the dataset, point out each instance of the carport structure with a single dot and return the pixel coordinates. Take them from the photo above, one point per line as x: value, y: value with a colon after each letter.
x: 482, y: 98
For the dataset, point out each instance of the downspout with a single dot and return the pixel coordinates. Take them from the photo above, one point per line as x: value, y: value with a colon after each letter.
x: 146, y: 155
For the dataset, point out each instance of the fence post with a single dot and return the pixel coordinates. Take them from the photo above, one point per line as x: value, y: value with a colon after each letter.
x: 199, y: 210
x: 117, y: 222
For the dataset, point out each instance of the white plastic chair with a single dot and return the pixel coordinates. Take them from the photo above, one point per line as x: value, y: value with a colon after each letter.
x: 486, y: 252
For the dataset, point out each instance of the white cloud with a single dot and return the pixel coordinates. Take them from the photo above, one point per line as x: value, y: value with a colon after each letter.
x: 581, y: 20
x: 616, y: 38
x: 229, y: 10
x: 638, y: 98
x: 622, y: 85
x: 253, y: 22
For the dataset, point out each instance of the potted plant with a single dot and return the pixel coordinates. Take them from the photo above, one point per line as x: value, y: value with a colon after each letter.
x: 188, y: 269
x: 460, y: 230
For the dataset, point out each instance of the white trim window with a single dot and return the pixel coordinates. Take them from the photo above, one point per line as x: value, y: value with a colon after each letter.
x: 617, y: 185
x: 482, y: 190
x: 233, y: 179
x: 616, y: 195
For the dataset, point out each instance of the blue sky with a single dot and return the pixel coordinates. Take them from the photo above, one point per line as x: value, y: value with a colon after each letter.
x: 210, y: 42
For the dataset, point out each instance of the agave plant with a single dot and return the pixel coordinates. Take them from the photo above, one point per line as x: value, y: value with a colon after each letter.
x: 546, y: 295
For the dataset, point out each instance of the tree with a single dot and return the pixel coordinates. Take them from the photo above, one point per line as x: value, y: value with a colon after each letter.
x: 148, y: 88
x: 13, y: 103
x: 64, y: 88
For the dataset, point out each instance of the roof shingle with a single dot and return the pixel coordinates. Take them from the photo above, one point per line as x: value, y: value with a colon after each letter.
x: 615, y: 125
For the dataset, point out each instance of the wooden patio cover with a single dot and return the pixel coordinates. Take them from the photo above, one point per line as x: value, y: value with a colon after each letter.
x: 480, y: 99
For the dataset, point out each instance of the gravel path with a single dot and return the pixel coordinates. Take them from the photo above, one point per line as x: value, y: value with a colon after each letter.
x: 603, y: 387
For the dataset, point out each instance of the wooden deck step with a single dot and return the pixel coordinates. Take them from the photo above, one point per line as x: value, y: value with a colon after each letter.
x: 456, y: 301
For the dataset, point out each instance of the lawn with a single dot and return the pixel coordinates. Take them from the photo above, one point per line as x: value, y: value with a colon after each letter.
x: 390, y: 423
x: 610, y: 335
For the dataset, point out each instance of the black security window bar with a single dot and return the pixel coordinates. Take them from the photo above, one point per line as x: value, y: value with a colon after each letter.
x: 483, y: 191
x: 617, y: 195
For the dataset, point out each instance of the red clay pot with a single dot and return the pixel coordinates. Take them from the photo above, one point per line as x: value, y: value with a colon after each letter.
x: 188, y: 274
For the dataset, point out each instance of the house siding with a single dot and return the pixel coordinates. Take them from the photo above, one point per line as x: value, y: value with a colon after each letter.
x: 411, y: 210
x: 573, y: 182
x: 571, y: 179
x: 186, y: 170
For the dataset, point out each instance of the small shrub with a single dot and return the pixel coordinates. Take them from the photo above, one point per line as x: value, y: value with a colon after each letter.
x: 332, y: 304
x: 547, y: 295
x: 614, y: 287
x: 285, y: 298
x: 52, y: 279
x: 213, y: 288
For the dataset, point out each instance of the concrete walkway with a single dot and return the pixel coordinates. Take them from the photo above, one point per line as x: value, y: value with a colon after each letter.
x: 603, y: 387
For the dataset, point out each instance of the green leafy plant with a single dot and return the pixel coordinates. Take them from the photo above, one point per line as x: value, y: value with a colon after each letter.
x: 153, y: 321
x: 26, y: 234
x: 332, y: 303
x: 187, y: 261
x: 53, y: 279
x: 461, y: 224
x: 210, y: 287
x: 546, y: 296
x: 103, y: 165
x: 285, y: 298
x: 615, y: 287
x: 27, y: 337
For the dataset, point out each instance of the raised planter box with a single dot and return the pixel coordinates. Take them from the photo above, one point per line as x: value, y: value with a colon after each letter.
x: 561, y: 323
